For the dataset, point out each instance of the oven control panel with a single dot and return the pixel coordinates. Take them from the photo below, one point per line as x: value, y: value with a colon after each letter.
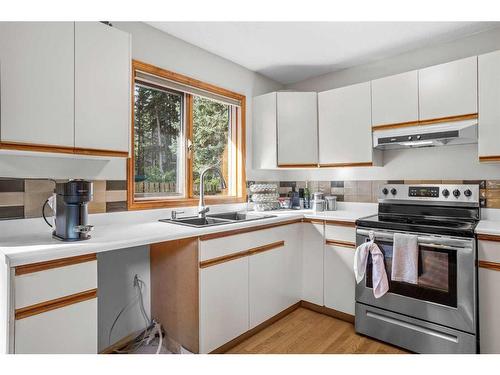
x: 431, y: 193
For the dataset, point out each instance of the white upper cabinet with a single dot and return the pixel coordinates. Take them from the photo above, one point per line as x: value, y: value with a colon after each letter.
x: 37, y: 82
x: 297, y: 124
x: 264, y: 131
x: 489, y: 106
x: 345, y: 126
x: 102, y: 87
x: 395, y: 99
x: 448, y: 89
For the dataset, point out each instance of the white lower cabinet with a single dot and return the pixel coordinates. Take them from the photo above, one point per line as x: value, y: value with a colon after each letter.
x: 339, y: 278
x: 223, y: 303
x: 312, y: 262
x: 67, y: 330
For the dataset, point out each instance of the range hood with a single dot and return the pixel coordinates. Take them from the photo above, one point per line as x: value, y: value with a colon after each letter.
x: 451, y: 133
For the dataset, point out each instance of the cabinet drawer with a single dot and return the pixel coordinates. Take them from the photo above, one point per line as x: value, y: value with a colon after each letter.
x: 70, y: 330
x: 219, y: 247
x: 342, y: 233
x: 489, y: 251
x: 31, y: 288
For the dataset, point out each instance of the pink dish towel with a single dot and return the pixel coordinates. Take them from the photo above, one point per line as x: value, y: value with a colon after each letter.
x: 405, y: 258
x: 379, y: 276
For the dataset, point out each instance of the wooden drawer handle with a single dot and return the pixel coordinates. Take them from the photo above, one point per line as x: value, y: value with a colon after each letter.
x: 57, y: 263
x: 340, y: 223
x: 340, y: 243
x: 54, y: 304
x: 241, y: 254
x: 489, y: 265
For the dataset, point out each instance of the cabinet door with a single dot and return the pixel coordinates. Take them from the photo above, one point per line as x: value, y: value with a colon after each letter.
x: 102, y: 87
x: 448, y: 89
x: 264, y: 131
x: 275, y: 278
x: 395, y: 99
x: 223, y: 303
x: 67, y: 330
x: 37, y: 82
x: 297, y: 116
x: 345, y: 126
x: 312, y: 263
x: 489, y: 310
x: 339, y: 279
x: 489, y: 105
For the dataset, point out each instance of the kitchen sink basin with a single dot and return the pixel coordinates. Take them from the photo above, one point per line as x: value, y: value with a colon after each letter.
x: 215, y: 219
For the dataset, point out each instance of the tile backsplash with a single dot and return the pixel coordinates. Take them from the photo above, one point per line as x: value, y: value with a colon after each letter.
x: 23, y: 198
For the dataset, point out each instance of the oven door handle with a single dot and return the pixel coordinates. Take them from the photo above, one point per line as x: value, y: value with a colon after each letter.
x: 429, y: 241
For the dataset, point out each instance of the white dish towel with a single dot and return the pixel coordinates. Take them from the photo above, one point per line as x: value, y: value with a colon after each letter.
x: 379, y: 276
x: 405, y: 258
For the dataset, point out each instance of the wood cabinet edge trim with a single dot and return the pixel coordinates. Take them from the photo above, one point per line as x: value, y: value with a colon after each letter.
x: 340, y: 223
x: 488, y: 237
x: 340, y: 243
x: 341, y: 165
x: 54, y: 304
x: 489, y: 158
x: 61, y: 149
x: 469, y: 116
x: 56, y: 263
x: 313, y: 221
x: 234, y: 232
x: 489, y: 265
x: 241, y: 254
x: 304, y: 165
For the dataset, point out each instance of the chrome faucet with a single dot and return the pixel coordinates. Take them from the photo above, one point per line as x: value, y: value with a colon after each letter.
x: 202, y: 210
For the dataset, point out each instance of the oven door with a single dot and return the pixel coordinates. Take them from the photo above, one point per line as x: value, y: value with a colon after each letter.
x: 446, y: 289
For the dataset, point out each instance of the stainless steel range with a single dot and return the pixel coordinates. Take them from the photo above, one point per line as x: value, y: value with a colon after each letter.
x: 439, y: 313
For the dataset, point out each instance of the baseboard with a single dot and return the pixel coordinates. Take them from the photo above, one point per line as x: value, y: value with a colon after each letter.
x: 231, y: 344
x: 124, y: 341
x: 327, y: 311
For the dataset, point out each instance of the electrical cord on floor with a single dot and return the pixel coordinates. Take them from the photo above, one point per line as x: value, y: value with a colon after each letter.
x: 151, y: 330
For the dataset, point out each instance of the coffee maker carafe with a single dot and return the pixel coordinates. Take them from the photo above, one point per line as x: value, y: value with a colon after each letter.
x: 71, y: 220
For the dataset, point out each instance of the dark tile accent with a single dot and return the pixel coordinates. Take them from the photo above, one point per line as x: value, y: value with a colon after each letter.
x: 11, y: 212
x: 116, y: 206
x: 340, y: 198
x: 116, y: 185
x: 11, y: 185
x: 395, y: 182
x: 481, y: 183
x: 283, y: 195
x: 290, y: 184
x: 337, y: 184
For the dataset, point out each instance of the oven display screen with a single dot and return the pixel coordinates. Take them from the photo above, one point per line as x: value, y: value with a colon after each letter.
x: 423, y: 191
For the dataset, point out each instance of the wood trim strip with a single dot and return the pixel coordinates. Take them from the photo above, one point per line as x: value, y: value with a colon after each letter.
x: 223, y: 259
x: 241, y: 254
x: 313, y: 221
x: 359, y: 164
x: 234, y: 232
x: 488, y: 237
x: 489, y: 158
x: 468, y: 116
x: 58, y: 303
x: 305, y: 165
x: 57, y: 263
x: 340, y: 223
x: 340, y: 243
x: 261, y: 249
x: 231, y: 344
x: 489, y: 265
x: 327, y: 311
x: 61, y: 149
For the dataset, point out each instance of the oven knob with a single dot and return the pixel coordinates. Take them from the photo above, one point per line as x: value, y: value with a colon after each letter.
x: 410, y: 137
x: 385, y: 191
x: 446, y: 192
x: 393, y: 191
x: 419, y: 136
x: 456, y: 193
x: 467, y: 193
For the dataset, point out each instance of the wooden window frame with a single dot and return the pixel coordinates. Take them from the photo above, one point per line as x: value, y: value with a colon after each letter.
x: 189, y: 200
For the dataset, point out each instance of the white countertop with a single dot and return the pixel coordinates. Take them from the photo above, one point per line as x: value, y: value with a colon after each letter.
x: 490, y: 222
x: 29, y: 240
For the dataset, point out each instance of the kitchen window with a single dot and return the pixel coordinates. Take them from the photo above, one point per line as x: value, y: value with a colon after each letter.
x: 180, y: 126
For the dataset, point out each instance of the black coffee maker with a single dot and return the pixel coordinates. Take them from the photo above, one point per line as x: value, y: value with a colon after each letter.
x: 72, y: 199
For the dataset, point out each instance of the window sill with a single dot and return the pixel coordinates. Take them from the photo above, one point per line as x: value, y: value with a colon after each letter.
x: 184, y: 202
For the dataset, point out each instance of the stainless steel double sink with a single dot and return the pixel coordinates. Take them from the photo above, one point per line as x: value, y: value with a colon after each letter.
x: 216, y: 219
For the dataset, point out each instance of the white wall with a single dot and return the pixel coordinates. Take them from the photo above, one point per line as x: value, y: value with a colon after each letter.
x: 158, y: 48
x: 452, y: 162
x: 116, y: 270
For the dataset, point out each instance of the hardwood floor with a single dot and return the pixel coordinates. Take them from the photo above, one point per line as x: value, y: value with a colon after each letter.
x: 307, y: 332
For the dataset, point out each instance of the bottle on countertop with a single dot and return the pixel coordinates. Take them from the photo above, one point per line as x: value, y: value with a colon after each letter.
x: 307, y: 196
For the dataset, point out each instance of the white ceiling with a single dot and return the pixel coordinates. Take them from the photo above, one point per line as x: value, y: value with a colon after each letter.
x: 289, y: 52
